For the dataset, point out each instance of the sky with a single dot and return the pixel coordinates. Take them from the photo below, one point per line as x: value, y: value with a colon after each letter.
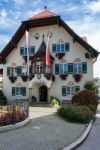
x: 83, y: 16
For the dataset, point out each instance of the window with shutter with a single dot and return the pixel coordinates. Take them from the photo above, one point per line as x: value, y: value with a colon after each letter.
x: 84, y: 67
x: 13, y: 91
x: 70, y: 68
x: 77, y: 89
x: 64, y: 91
x: 56, y: 69
x: 19, y: 70
x: 24, y: 91
x: 53, y: 48
x: 66, y: 47
x: 22, y: 51
x: 32, y: 50
x: 8, y: 71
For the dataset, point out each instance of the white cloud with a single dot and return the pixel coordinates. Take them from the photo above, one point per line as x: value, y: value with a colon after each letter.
x: 92, y: 7
x: 4, y: 39
x: 3, y: 13
x: 19, y: 2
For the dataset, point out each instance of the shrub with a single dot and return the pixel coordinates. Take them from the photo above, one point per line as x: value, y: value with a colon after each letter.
x: 3, y: 99
x: 75, y: 113
x: 87, y: 98
x: 91, y: 86
x: 54, y: 100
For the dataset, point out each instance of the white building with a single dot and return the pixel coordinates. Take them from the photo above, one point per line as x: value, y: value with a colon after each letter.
x: 71, y: 60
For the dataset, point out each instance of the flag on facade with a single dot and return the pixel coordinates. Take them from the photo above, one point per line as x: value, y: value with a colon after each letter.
x: 47, y: 49
x: 27, y: 47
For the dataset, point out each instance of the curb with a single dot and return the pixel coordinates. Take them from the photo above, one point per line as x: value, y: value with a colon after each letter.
x: 15, y: 126
x: 80, y: 139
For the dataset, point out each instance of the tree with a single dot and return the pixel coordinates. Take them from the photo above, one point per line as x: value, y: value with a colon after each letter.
x: 91, y: 86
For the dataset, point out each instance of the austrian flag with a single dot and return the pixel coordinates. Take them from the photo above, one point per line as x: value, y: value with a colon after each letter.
x: 47, y: 49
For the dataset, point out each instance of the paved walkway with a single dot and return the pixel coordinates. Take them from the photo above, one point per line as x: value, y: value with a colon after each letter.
x: 93, y: 140
x: 46, y: 131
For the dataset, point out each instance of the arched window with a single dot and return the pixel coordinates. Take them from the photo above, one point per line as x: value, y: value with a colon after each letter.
x: 77, y: 66
x: 70, y: 88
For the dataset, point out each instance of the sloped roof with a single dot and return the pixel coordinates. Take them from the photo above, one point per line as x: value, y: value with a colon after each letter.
x: 41, y: 51
x: 45, y: 20
x: 43, y: 14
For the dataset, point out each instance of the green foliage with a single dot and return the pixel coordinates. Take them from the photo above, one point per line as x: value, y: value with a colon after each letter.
x: 87, y: 98
x: 53, y: 100
x: 75, y: 113
x: 91, y: 86
x: 3, y: 99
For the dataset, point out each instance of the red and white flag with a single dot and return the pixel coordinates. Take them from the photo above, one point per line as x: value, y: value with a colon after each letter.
x: 47, y: 49
x: 27, y: 46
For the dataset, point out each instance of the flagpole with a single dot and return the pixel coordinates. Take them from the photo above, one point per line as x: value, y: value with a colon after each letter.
x: 27, y: 44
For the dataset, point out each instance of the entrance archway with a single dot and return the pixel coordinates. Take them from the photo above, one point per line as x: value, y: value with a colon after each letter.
x: 43, y: 94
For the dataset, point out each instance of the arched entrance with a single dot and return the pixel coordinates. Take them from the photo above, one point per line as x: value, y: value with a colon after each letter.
x: 43, y: 94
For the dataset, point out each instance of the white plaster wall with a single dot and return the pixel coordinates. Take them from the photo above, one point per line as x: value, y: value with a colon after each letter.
x: 76, y: 51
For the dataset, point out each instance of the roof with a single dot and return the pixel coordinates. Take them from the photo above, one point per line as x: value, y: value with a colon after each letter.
x: 41, y: 51
x: 45, y: 20
x: 44, y: 14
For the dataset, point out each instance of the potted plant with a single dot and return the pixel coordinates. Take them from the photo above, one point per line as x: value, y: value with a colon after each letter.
x: 48, y: 76
x: 60, y: 55
x: 77, y: 77
x: 31, y: 77
x: 63, y: 76
x: 24, y: 78
x: 54, y: 102
x: 12, y: 79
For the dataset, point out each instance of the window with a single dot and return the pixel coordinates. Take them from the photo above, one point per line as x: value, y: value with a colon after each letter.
x: 77, y: 68
x: 70, y: 88
x: 70, y: 68
x: 84, y: 67
x: 63, y: 68
x: 11, y: 71
x: 60, y: 48
x: 19, y: 70
x: 64, y: 91
x: 23, y: 51
x: 18, y: 91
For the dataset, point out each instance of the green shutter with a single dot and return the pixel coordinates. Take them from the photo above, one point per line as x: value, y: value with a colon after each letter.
x: 24, y: 91
x: 53, y: 48
x: 56, y: 69
x: 13, y: 91
x: 19, y: 70
x: 22, y: 51
x: 77, y: 89
x: 67, y: 47
x: 70, y: 68
x: 84, y: 67
x: 8, y: 71
x: 64, y: 91
x: 32, y: 50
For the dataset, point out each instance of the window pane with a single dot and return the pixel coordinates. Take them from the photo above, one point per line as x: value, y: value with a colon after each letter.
x: 62, y: 48
x: 75, y: 68
x: 63, y: 90
x: 72, y: 90
x: 79, y: 68
x: 25, y: 51
x: 17, y: 91
x: 65, y: 68
x: 68, y: 90
x: 58, y: 48
x: 54, y: 48
x: 77, y: 89
x: 56, y: 69
x: 70, y: 68
x: 61, y: 68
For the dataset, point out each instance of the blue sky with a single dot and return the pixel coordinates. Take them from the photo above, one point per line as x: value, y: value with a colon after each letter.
x: 83, y: 16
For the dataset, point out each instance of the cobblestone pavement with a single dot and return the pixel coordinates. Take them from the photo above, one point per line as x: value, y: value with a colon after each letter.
x: 93, y: 140
x: 46, y: 131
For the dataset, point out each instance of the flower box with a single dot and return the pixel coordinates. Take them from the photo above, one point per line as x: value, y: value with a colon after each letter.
x: 60, y: 55
x: 24, y: 78
x: 63, y: 76
x: 12, y: 79
x: 77, y: 77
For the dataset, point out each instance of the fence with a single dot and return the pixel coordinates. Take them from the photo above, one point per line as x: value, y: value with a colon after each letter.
x: 14, y: 113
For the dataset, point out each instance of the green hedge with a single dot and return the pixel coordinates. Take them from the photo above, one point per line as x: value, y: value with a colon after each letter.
x: 75, y: 113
